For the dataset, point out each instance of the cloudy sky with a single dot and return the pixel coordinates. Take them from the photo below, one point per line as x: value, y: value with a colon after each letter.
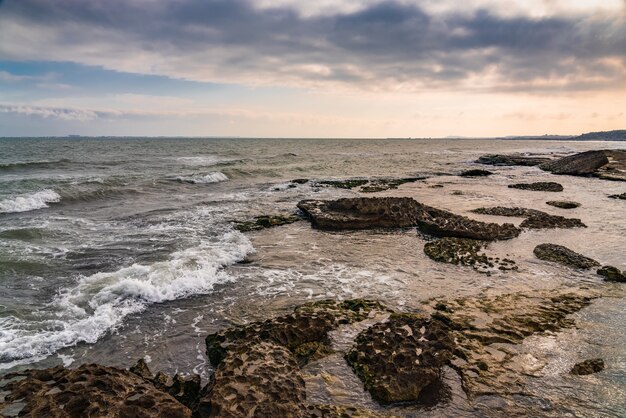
x: 324, y: 68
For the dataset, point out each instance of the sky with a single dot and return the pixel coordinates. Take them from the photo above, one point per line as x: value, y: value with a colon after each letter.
x: 324, y: 68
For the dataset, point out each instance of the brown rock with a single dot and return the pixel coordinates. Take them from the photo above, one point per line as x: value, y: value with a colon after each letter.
x: 540, y: 186
x: 509, y: 160
x: 581, y: 164
x: 563, y: 255
x: 588, y: 367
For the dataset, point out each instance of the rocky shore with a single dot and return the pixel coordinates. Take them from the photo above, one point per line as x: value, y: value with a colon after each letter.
x: 398, y: 356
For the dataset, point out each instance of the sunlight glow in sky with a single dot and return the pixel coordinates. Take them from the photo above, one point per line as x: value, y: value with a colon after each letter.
x: 327, y: 68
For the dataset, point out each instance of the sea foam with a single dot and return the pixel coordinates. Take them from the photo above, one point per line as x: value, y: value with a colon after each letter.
x: 30, y: 201
x: 99, y: 303
x: 214, y: 177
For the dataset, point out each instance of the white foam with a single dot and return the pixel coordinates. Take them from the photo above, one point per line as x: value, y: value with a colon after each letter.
x: 98, y: 304
x: 204, y: 160
x: 214, y: 177
x: 30, y: 201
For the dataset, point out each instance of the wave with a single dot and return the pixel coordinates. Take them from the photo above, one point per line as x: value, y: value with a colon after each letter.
x: 33, y: 164
x: 30, y: 201
x: 214, y: 177
x: 98, y: 304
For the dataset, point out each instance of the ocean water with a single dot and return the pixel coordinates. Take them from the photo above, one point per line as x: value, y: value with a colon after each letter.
x: 117, y: 249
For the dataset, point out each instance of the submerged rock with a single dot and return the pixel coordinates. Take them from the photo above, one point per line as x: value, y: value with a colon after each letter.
x: 588, y: 367
x: 343, y: 184
x: 535, y: 219
x: 265, y: 221
x: 90, y: 390
x: 612, y: 274
x: 541, y: 186
x: 399, y: 212
x: 618, y: 196
x: 463, y: 251
x: 476, y: 173
x: 398, y: 359
x: 563, y: 255
x: 380, y: 185
x: 510, y: 160
x: 563, y: 204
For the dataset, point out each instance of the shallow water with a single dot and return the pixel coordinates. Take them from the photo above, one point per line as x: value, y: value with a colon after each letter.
x: 117, y: 249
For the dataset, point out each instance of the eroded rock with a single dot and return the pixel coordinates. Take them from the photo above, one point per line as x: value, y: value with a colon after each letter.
x: 510, y: 160
x: 540, y: 186
x: 90, y: 390
x: 588, y: 367
x: 466, y: 252
x: 612, y: 274
x: 563, y: 255
x: 618, y: 196
x: 581, y: 164
x: 399, y: 212
x: 476, y: 173
x: 535, y: 219
x: 398, y: 359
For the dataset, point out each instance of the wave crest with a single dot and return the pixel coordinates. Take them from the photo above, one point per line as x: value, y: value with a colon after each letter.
x: 30, y: 201
x: 214, y: 177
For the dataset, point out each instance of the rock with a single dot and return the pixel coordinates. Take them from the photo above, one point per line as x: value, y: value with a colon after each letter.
x: 304, y: 332
x: 343, y: 184
x: 581, y: 164
x: 260, y: 379
x: 605, y: 164
x: 618, y: 196
x: 486, y: 329
x: 380, y: 185
x: 475, y: 173
x: 612, y: 274
x: 333, y: 411
x: 541, y: 186
x: 509, y: 160
x: 563, y: 255
x: 141, y: 369
x: 300, y: 181
x: 463, y: 251
x: 90, y: 390
x: 399, y: 359
x: 588, y: 367
x: 185, y: 390
x: 399, y: 212
x: 535, y: 219
x: 563, y: 204
x: 266, y: 221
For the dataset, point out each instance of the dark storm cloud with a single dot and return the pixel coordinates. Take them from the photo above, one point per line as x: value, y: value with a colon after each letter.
x: 385, y: 43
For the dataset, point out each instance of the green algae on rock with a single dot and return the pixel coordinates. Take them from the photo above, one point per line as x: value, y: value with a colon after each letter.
x: 563, y: 255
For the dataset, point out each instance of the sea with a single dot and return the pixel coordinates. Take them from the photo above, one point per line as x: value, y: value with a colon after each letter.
x: 116, y: 249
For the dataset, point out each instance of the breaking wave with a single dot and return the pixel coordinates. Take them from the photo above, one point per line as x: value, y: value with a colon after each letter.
x: 30, y: 201
x: 214, y: 177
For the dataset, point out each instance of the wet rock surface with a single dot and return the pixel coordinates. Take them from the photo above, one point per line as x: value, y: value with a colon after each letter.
x: 605, y: 164
x: 476, y: 173
x: 368, y: 185
x: 563, y: 255
x: 265, y: 221
x: 535, y: 219
x: 588, y: 367
x: 618, y: 196
x: 511, y: 160
x: 466, y: 252
x: 612, y: 274
x: 89, y: 391
x: 563, y: 204
x: 398, y: 359
x: 399, y: 212
x: 540, y: 186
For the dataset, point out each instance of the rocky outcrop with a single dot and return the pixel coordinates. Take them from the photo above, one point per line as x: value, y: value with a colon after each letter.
x: 476, y: 173
x: 265, y: 221
x: 368, y: 186
x: 588, y: 367
x: 535, y: 219
x: 563, y: 255
x: 399, y: 359
x: 399, y: 212
x: 605, y: 164
x: 466, y: 252
x: 90, y: 390
x: 255, y: 379
x: 612, y: 274
x: 510, y: 160
x: 563, y: 204
x: 618, y: 196
x: 581, y: 164
x: 541, y: 186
